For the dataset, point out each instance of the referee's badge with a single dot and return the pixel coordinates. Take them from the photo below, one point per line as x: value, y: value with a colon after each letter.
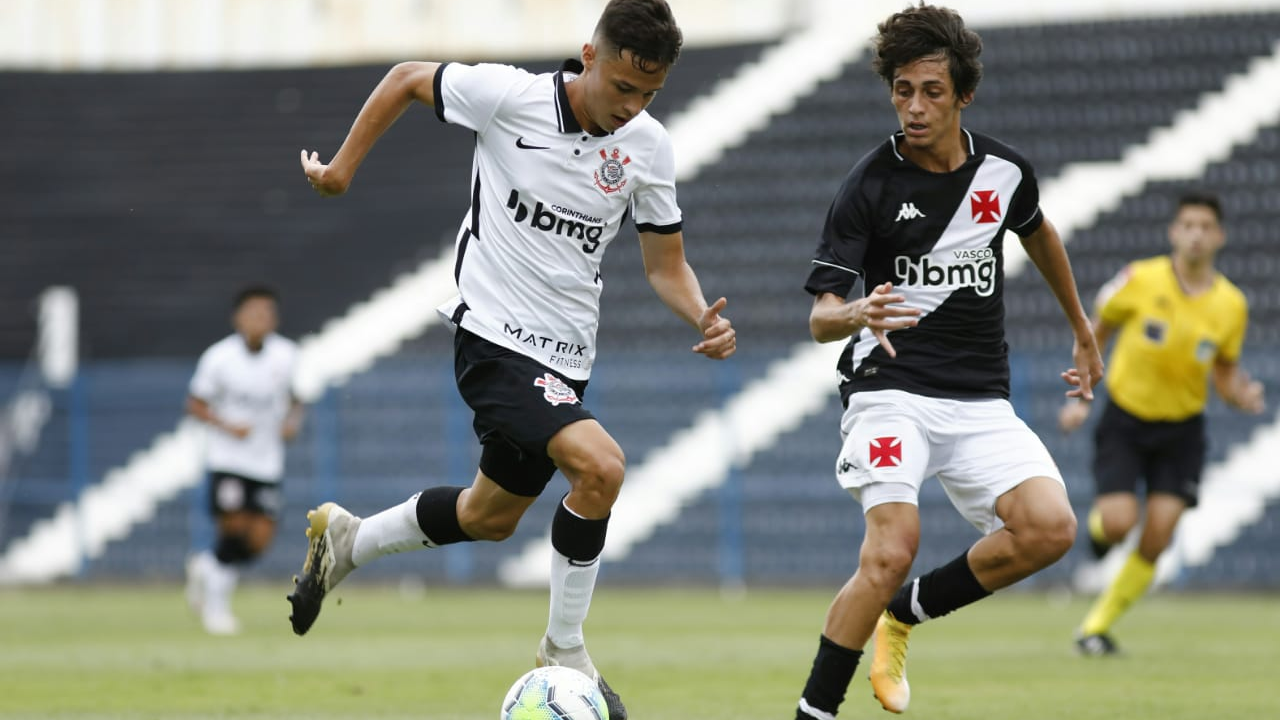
x: 611, y: 177
x: 555, y: 391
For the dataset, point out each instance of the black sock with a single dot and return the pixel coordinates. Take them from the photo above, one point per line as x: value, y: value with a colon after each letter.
x: 438, y: 515
x: 576, y: 538
x: 833, y: 668
x: 937, y: 592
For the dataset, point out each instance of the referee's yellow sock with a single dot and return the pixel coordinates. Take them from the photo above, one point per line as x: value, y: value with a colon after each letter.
x: 1127, y: 586
x: 1096, y: 533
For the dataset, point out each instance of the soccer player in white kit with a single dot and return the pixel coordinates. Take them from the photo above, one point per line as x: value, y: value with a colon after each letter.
x: 562, y: 161
x: 925, y: 374
x: 243, y: 391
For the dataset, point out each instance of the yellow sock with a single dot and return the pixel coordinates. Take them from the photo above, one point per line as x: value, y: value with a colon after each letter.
x: 1095, y: 527
x: 1129, y: 585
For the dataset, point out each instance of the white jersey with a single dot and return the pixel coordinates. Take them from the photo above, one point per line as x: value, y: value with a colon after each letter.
x: 247, y: 388
x: 546, y: 200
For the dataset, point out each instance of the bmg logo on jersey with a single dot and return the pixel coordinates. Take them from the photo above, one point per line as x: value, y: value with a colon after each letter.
x: 559, y: 220
x: 972, y: 268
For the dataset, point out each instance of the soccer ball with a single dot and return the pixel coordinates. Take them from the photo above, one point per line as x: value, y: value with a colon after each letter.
x: 554, y: 693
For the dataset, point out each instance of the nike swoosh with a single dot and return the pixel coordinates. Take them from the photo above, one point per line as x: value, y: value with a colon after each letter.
x: 520, y: 144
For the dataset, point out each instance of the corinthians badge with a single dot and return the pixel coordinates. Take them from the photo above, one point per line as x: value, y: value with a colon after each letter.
x: 611, y: 177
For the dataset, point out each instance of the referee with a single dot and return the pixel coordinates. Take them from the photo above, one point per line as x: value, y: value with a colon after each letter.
x: 1178, y: 323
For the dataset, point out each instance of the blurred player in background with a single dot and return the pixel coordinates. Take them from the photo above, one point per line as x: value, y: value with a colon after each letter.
x: 1178, y: 323
x: 243, y: 391
x: 562, y: 161
x: 925, y: 375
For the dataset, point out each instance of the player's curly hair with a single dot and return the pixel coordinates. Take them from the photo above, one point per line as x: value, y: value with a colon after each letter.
x: 928, y: 31
x: 646, y: 28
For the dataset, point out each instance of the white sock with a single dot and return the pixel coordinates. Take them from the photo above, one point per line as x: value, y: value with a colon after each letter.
x: 219, y: 583
x: 571, y: 587
x: 393, y: 530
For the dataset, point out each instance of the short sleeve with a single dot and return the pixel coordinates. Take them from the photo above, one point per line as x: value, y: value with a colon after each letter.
x: 655, y: 201
x: 1118, y: 298
x: 1025, y: 216
x: 845, y: 235
x: 204, y: 384
x: 470, y: 95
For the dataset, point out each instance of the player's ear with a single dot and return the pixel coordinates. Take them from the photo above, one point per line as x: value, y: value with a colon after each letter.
x: 962, y: 101
x: 588, y: 56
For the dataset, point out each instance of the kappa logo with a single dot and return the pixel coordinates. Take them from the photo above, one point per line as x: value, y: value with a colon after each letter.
x: 885, y: 452
x: 555, y: 391
x: 984, y: 205
x: 909, y: 211
x: 611, y: 177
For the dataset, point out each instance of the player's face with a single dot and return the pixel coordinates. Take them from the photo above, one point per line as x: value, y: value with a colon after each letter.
x: 1195, y: 233
x: 925, y: 98
x: 615, y: 89
x: 255, y: 319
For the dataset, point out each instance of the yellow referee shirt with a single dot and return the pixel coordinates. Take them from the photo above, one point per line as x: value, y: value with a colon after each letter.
x: 1168, y: 340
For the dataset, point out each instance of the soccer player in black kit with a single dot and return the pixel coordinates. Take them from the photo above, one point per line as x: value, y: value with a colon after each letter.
x: 925, y: 376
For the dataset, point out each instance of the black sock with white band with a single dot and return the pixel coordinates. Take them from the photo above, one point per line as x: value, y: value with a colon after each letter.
x: 937, y: 592
x: 833, y: 668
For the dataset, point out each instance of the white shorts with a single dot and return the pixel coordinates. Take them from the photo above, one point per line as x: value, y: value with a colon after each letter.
x: 979, y: 449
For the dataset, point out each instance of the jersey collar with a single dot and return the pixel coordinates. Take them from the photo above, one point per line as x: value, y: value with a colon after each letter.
x: 564, y: 111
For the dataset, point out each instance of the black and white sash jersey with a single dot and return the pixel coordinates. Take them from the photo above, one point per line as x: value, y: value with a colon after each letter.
x: 938, y: 237
x: 546, y: 200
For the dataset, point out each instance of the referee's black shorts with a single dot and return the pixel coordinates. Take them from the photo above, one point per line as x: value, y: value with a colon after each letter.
x: 1167, y: 456
x: 519, y: 406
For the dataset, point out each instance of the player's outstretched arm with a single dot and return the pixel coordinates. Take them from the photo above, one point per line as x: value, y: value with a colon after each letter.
x: 831, y: 318
x: 404, y: 83
x: 677, y: 285
x: 1046, y: 251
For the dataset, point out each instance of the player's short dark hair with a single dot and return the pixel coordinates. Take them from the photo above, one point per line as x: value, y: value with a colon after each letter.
x: 646, y: 28
x: 1202, y: 198
x: 257, y: 290
x: 928, y: 31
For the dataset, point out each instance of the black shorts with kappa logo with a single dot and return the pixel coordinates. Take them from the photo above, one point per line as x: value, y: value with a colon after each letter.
x: 519, y: 406
x: 1167, y: 456
x: 229, y: 492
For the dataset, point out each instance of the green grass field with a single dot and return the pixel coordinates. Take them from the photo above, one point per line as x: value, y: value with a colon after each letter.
x: 114, y: 652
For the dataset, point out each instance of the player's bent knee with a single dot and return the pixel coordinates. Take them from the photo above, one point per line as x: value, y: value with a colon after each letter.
x: 598, y: 482
x: 1053, y: 537
x: 886, y: 566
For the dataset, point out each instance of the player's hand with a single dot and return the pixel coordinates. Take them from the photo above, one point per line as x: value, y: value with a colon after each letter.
x: 1072, y: 415
x: 719, y: 340
x: 1087, y: 371
x: 1251, y: 397
x: 881, y: 312
x: 324, y: 180
x: 239, y: 432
